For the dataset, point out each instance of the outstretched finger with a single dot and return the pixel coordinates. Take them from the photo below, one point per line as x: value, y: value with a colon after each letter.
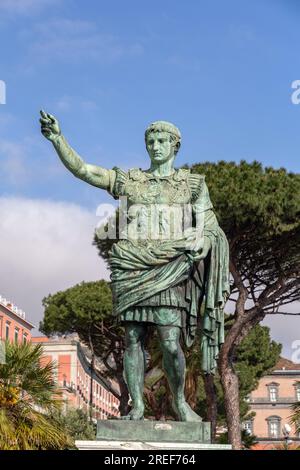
x: 43, y: 114
x: 52, y: 118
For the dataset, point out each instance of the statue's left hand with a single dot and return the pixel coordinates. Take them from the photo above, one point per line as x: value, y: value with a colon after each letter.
x: 206, y: 247
x: 192, y: 242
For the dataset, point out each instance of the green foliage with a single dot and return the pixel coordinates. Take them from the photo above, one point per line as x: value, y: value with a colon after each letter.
x: 23, y: 372
x: 258, y: 208
x: 77, y: 424
x: 77, y: 308
x: 28, y: 397
x: 255, y: 357
x: 248, y: 195
x: 248, y: 440
x: 295, y: 417
x: 85, y: 309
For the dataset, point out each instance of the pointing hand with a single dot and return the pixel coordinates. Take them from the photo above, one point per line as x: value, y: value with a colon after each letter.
x: 49, y: 126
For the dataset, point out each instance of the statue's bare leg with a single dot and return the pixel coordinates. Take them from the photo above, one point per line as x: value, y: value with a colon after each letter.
x: 134, y: 367
x: 174, y: 368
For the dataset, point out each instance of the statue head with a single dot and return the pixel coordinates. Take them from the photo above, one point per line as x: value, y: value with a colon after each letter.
x: 162, y: 141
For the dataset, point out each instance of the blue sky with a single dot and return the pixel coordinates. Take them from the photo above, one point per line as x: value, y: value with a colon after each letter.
x: 221, y: 71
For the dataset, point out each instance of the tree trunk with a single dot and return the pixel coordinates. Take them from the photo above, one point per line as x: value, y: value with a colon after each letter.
x: 230, y: 382
x: 229, y: 379
x: 117, y: 352
x: 211, y: 401
x: 230, y: 385
x: 123, y: 406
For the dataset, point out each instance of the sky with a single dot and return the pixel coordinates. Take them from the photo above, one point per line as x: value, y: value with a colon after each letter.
x: 221, y: 71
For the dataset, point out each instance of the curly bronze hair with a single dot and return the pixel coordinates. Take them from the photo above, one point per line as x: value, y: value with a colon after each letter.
x: 164, y: 126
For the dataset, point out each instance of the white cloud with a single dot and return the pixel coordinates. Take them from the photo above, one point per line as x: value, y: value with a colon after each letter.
x: 26, y: 161
x: 26, y: 7
x: 68, y: 103
x: 13, y: 162
x: 45, y: 247
x: 76, y: 41
x: 285, y: 329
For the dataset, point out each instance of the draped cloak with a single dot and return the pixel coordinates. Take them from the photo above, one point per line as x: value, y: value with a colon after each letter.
x: 149, y: 272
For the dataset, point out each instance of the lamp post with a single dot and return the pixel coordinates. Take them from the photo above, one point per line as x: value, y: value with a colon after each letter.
x: 286, y: 430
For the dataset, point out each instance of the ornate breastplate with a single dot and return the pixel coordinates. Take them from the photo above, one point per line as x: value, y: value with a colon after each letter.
x: 155, y: 205
x: 142, y: 187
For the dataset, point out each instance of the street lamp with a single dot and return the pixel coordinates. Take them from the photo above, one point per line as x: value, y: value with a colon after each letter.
x: 286, y: 430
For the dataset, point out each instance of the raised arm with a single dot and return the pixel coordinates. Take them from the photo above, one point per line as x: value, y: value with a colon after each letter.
x: 92, y: 174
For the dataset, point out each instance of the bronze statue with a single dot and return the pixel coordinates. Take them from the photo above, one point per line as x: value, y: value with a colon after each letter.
x: 161, y: 274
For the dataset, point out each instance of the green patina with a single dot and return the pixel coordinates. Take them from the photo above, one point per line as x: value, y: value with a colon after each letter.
x: 153, y: 431
x: 161, y: 274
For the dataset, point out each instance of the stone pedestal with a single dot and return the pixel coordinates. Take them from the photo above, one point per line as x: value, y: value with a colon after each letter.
x: 151, y: 435
x: 147, y: 446
x: 153, y: 431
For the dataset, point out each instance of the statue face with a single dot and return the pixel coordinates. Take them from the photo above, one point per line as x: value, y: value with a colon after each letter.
x: 160, y: 147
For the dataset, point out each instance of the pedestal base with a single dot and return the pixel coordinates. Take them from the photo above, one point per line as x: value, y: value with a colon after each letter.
x: 158, y: 446
x: 153, y: 431
x: 151, y: 435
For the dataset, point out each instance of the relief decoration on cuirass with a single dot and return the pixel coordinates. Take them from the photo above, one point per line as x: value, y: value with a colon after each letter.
x: 145, y: 188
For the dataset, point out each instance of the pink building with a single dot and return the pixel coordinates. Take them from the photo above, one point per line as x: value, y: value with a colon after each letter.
x: 13, y: 324
x: 272, y: 401
x: 74, y: 377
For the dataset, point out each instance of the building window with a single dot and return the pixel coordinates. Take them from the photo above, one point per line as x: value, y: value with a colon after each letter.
x: 274, y: 427
x: 16, y: 334
x: 273, y: 392
x: 7, y: 330
x: 24, y: 337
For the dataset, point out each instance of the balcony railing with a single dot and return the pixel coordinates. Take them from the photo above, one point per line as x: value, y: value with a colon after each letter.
x: 267, y: 400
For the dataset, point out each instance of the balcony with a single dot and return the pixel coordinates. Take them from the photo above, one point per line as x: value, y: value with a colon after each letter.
x: 267, y: 401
